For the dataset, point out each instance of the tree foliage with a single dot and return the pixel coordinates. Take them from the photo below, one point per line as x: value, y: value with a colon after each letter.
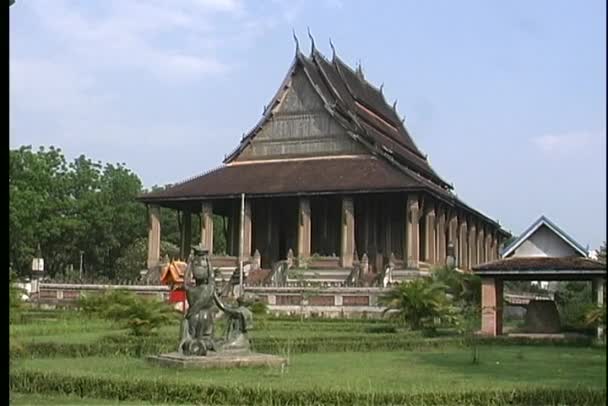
x: 71, y: 207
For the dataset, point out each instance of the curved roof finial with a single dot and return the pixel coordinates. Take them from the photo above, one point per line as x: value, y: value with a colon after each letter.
x: 395, y: 105
x: 333, y: 50
x: 312, y: 41
x: 381, y: 87
x: 360, y: 70
x: 295, y: 38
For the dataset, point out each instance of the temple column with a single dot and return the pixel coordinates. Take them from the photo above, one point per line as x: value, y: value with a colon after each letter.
x: 388, y: 235
x: 488, y: 247
x: 153, y: 235
x: 247, y: 230
x: 441, y: 247
x: 472, y: 245
x: 480, y: 244
x: 463, y: 261
x: 429, y: 246
x: 453, y: 233
x: 304, y: 228
x: 207, y: 226
x: 598, y: 286
x: 412, y: 231
x: 495, y: 246
x: 347, y: 246
x: 185, y: 235
x: 491, y: 306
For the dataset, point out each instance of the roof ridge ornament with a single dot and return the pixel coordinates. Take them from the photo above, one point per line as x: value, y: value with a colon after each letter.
x: 333, y: 49
x: 359, y: 70
x: 295, y: 38
x: 395, y: 105
x: 312, y: 41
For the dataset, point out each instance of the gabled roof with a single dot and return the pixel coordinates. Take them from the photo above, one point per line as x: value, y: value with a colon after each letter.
x: 544, y: 221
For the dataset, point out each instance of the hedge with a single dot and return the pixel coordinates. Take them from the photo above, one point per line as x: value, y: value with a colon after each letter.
x: 162, y: 391
x: 137, y: 346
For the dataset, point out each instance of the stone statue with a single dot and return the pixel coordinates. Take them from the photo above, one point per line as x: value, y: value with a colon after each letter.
x: 203, y: 302
x: 239, y: 322
x: 198, y: 323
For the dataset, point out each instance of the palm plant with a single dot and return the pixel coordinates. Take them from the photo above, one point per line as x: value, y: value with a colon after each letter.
x: 419, y: 303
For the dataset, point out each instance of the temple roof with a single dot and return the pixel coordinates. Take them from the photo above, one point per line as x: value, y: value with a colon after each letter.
x: 359, y: 107
x: 393, y: 162
x: 292, y: 177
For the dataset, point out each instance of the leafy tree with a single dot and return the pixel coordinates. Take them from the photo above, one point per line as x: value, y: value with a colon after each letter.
x: 69, y: 208
x: 419, y: 303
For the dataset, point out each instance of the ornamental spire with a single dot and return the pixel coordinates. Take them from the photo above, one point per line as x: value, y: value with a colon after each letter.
x: 312, y: 41
x: 295, y: 38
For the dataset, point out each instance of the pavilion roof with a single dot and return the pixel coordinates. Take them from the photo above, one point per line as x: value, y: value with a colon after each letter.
x: 542, y: 267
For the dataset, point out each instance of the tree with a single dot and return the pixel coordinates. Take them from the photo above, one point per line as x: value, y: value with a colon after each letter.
x: 71, y: 207
x: 419, y: 303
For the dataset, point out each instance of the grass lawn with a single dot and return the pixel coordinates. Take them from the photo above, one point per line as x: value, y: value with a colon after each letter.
x: 500, y: 367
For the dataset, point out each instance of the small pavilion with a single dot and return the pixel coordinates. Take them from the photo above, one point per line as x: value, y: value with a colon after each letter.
x: 543, y: 252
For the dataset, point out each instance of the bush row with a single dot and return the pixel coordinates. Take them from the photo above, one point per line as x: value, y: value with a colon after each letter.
x: 161, y: 391
x: 138, y: 346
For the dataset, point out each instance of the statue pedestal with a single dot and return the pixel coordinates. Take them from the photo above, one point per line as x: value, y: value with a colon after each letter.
x: 226, y: 359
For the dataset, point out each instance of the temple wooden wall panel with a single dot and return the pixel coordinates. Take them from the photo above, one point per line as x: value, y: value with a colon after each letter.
x: 300, y: 127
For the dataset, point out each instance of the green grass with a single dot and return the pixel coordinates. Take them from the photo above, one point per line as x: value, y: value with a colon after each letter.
x: 442, y: 370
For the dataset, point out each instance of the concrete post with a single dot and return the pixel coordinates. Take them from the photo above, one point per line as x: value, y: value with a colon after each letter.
x: 207, y: 226
x: 304, y: 228
x: 430, y: 248
x: 412, y: 231
x: 491, y: 306
x: 153, y: 235
x: 348, y: 232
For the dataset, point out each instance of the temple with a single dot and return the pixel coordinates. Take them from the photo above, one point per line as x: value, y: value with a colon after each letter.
x: 334, y: 184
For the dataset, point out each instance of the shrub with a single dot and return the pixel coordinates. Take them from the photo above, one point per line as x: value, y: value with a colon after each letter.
x: 159, y: 391
x: 419, y: 303
x: 142, y: 316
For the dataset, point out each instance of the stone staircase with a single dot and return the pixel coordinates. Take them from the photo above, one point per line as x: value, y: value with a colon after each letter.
x: 318, y: 276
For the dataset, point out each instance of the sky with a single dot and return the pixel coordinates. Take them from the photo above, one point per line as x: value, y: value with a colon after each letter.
x: 506, y: 98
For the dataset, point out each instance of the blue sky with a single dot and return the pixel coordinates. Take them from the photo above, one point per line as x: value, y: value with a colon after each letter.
x: 507, y: 98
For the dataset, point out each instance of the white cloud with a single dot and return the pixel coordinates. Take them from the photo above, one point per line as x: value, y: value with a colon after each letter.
x: 566, y: 142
